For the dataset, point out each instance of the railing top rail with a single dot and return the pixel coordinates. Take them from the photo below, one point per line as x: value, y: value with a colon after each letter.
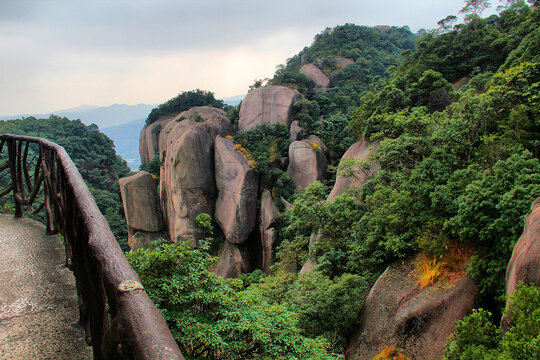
x: 139, y: 324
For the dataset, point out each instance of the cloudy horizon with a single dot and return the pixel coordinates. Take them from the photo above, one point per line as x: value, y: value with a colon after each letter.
x: 61, y: 54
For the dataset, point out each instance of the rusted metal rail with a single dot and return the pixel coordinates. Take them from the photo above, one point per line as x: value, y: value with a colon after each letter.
x: 120, y: 320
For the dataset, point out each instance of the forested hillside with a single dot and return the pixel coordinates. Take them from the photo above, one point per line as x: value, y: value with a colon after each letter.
x: 94, y: 155
x: 457, y: 168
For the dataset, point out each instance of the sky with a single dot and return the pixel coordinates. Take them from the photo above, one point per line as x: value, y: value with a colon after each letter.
x: 59, y: 54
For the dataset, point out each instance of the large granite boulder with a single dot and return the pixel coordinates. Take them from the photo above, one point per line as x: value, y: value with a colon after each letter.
x: 233, y: 261
x: 142, y: 209
x: 187, y: 177
x: 398, y: 312
x: 270, y: 215
x: 355, y: 176
x: 315, y: 74
x: 307, y: 162
x: 524, y: 266
x: 164, y: 133
x: 238, y: 185
x: 343, y: 63
x: 149, y: 137
x: 268, y: 104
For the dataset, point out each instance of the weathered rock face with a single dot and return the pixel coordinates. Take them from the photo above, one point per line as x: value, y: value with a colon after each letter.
x: 397, y: 312
x: 296, y: 132
x: 188, y: 180
x: 457, y: 85
x: 524, y: 266
x: 148, y: 140
x: 270, y: 215
x: 359, y: 151
x: 237, y: 183
x: 164, y: 133
x: 315, y: 74
x: 344, y: 62
x: 268, y: 104
x: 233, y: 261
x: 307, y: 162
x: 141, y: 206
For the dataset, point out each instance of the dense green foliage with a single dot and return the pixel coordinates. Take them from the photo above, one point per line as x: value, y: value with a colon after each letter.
x: 266, y: 145
x: 327, y: 113
x: 473, y: 169
x: 476, y: 337
x: 212, y: 317
x: 457, y: 167
x: 372, y: 49
x: 94, y: 155
x: 182, y: 102
x: 152, y: 166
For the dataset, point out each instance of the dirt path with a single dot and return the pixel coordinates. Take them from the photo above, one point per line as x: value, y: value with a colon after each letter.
x: 38, y: 301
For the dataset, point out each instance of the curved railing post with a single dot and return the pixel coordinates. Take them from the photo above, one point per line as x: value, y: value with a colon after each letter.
x: 119, y: 319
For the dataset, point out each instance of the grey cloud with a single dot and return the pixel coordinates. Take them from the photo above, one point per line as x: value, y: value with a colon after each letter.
x: 171, y: 26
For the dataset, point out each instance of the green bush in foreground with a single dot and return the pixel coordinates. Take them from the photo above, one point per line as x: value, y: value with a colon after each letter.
x: 211, y: 317
x: 476, y: 337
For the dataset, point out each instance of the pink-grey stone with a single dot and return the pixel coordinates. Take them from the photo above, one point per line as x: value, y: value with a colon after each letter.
x: 398, y: 312
x: 344, y: 62
x: 232, y: 262
x: 148, y: 139
x: 237, y: 184
x: 142, y: 209
x: 268, y: 232
x: 524, y: 266
x: 317, y: 140
x: 296, y: 132
x: 187, y: 178
x: 307, y: 163
x: 268, y: 104
x: 360, y: 152
x: 315, y: 74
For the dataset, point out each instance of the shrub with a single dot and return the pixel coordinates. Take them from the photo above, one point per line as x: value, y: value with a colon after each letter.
x: 184, y: 101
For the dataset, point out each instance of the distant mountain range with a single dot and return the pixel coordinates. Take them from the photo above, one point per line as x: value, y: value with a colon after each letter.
x: 122, y: 123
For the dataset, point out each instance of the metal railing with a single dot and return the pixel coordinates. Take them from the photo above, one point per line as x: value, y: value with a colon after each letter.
x: 119, y: 319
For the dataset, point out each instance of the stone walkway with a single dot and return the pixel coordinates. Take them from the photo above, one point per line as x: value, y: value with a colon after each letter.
x: 38, y: 301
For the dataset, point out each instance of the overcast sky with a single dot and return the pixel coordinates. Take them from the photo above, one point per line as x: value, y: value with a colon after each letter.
x: 58, y: 54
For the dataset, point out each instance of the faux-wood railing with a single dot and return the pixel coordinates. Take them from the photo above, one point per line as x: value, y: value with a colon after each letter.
x: 120, y: 320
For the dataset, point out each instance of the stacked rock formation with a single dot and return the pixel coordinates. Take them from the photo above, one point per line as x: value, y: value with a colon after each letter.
x: 203, y: 171
x: 148, y: 140
x: 188, y: 181
x: 236, y: 205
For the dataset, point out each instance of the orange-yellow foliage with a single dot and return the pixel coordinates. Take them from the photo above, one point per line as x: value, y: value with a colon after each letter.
x: 246, y: 154
x: 450, y: 267
x: 390, y: 352
x: 315, y: 146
